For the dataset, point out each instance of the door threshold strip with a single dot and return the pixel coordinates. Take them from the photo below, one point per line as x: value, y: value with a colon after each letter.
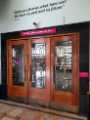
x: 46, y: 110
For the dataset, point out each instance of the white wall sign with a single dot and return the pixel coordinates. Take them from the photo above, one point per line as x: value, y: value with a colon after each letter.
x: 18, y: 15
x: 47, y: 7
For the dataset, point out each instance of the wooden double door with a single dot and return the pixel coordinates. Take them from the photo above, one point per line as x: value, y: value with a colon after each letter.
x: 44, y: 71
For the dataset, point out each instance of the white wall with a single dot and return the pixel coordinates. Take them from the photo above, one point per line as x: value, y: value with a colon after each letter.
x: 73, y: 11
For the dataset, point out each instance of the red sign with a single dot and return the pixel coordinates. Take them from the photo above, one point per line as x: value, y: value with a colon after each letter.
x: 39, y: 32
x: 84, y: 74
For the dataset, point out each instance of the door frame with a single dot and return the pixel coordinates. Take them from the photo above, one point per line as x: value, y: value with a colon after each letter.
x: 71, y: 108
x: 42, y: 94
x: 12, y: 89
x: 51, y: 76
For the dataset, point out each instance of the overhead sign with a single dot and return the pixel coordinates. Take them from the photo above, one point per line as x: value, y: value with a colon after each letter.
x: 38, y: 32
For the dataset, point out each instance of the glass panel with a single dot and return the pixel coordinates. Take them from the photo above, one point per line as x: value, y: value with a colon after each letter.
x: 63, y: 65
x: 38, y: 65
x: 18, y: 65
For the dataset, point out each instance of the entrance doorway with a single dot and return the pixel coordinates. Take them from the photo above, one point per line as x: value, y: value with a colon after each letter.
x: 44, y: 71
x: 17, y: 67
x: 65, y: 72
x: 39, y: 90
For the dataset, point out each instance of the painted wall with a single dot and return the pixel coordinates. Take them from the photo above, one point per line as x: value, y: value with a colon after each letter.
x: 53, y: 12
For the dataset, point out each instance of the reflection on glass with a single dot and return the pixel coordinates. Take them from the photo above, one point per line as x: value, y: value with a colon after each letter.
x: 18, y: 65
x: 63, y: 65
x: 38, y: 65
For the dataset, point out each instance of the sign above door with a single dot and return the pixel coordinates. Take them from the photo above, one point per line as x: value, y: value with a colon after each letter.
x: 38, y: 32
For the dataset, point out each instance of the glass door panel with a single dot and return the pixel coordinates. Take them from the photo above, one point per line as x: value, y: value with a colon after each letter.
x: 40, y: 71
x: 65, y: 72
x: 38, y: 65
x: 18, y: 65
x: 17, y: 69
x: 63, y: 65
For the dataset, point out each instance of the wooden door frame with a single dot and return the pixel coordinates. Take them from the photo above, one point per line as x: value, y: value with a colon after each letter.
x: 74, y: 36
x: 12, y: 89
x: 42, y: 94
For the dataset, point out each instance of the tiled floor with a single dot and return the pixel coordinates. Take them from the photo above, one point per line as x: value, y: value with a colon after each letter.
x: 10, y: 112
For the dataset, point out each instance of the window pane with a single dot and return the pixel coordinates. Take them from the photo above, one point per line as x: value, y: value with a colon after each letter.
x: 38, y: 65
x: 18, y: 65
x: 63, y: 65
